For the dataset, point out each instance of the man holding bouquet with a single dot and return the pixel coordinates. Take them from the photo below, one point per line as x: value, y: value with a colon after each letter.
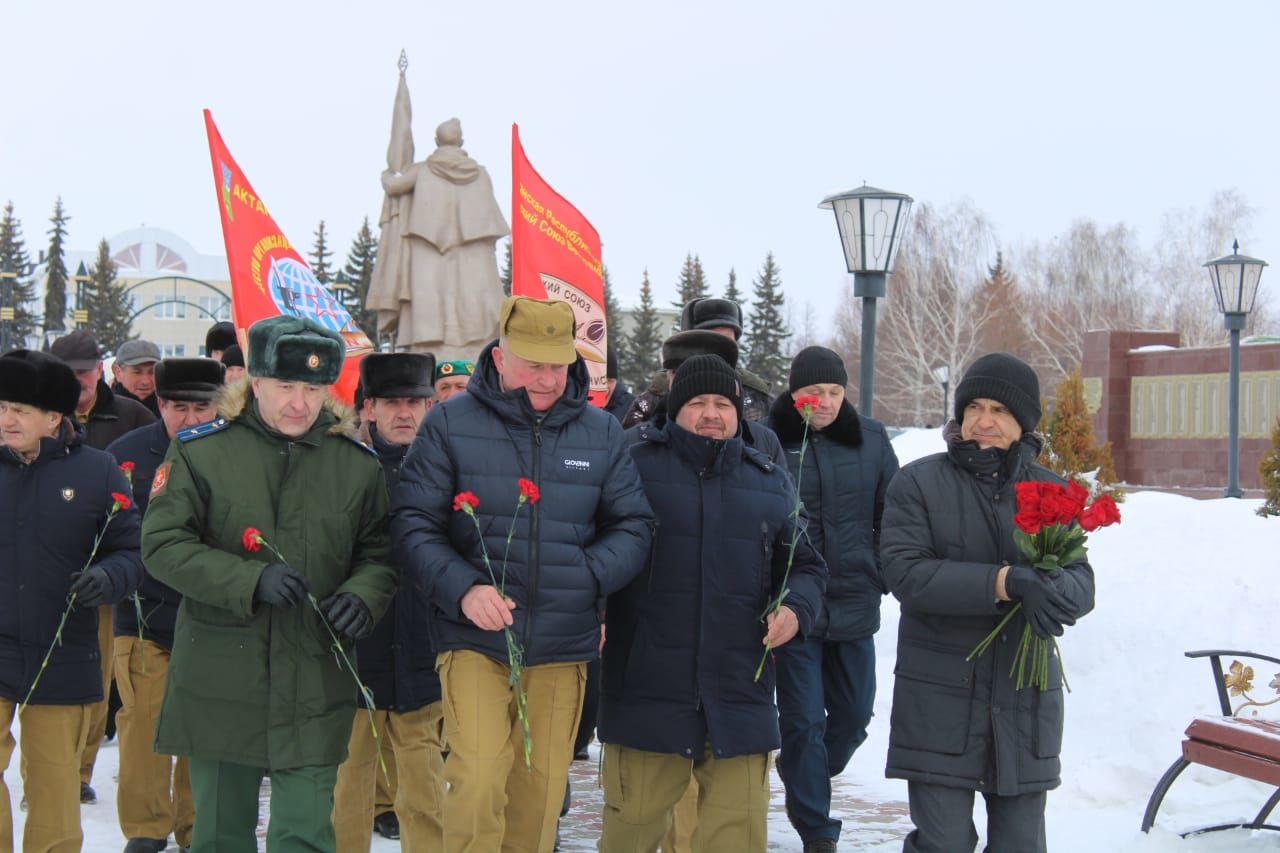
x: 949, y: 555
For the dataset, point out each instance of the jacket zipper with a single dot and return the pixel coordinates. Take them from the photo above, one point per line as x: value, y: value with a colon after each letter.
x: 532, y: 578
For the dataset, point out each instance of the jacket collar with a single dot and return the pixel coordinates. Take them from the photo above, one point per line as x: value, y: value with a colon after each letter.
x: 334, y: 417
x: 789, y: 424
x: 1004, y: 465
x: 70, y: 436
x: 386, y: 450
x: 514, y: 406
x: 104, y: 405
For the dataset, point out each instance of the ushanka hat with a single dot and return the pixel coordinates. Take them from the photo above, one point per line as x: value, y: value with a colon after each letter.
x: 38, y: 379
x: 397, y: 374
x: 684, y: 345
x: 704, y: 374
x: 1006, y: 379
x: 220, y: 336
x: 292, y: 349
x: 710, y: 312
x: 193, y: 380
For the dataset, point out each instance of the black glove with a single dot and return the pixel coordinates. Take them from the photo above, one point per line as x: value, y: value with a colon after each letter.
x: 348, y: 615
x: 92, y: 587
x: 280, y: 585
x: 1045, y: 607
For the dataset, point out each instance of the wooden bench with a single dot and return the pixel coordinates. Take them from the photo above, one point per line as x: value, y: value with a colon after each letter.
x: 1243, y: 746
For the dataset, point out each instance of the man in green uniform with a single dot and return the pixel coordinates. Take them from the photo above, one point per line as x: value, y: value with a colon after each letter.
x: 254, y: 687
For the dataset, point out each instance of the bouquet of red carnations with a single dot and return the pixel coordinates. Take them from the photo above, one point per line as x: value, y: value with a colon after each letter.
x: 1052, y: 524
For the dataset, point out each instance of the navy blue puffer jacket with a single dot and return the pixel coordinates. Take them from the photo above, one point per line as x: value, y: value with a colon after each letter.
x: 686, y: 636
x: 586, y: 537
x: 50, y: 512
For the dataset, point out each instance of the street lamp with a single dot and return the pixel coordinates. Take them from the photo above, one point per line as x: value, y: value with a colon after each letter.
x: 942, y: 373
x: 871, y: 223
x: 1235, y: 280
x: 81, y: 314
x: 342, y: 286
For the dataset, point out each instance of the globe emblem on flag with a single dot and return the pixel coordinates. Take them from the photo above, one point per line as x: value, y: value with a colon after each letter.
x: 296, y: 292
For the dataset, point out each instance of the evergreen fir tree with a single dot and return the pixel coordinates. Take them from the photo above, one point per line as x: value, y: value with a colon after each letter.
x: 320, y: 254
x: 767, y: 329
x: 693, y: 282
x: 732, y: 293
x: 55, y: 283
x: 1069, y: 449
x: 359, y: 270
x: 109, y: 306
x: 619, y: 343
x: 1269, y: 468
x: 1005, y: 327
x: 646, y: 340
x: 18, y: 292
x: 505, y: 275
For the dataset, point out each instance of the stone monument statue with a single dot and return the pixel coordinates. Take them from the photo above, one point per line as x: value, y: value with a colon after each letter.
x: 435, y: 284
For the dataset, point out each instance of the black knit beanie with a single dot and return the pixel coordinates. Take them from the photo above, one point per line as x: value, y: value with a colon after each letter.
x: 703, y: 374
x: 1006, y: 379
x: 813, y: 365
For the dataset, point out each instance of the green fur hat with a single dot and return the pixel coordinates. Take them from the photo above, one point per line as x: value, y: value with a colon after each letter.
x: 292, y: 349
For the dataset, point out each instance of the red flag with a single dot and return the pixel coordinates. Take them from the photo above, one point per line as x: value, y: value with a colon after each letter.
x: 555, y: 254
x: 268, y: 276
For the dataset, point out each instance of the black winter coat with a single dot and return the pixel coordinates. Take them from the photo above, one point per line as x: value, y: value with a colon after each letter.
x: 113, y: 416
x: 397, y: 662
x: 686, y: 636
x: 847, y: 469
x: 621, y: 401
x: 151, y: 404
x: 50, y: 512
x: 586, y: 538
x: 145, y: 447
x: 948, y: 528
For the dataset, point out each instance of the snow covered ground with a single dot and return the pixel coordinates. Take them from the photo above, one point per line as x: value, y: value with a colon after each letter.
x: 1177, y: 574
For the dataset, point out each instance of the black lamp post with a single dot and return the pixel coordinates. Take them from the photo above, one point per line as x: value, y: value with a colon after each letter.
x: 81, y: 313
x: 871, y: 222
x: 942, y: 373
x: 1235, y: 284
x: 8, y: 312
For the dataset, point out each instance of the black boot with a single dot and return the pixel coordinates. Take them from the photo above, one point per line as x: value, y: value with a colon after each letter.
x: 146, y: 845
x: 387, y: 825
x: 87, y: 794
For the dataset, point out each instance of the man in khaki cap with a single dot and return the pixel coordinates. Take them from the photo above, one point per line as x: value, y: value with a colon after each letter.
x: 525, y: 416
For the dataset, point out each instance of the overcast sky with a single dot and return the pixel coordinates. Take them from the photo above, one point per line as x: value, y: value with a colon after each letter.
x: 676, y: 127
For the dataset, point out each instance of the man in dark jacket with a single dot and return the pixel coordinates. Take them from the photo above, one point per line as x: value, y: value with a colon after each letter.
x: 620, y: 396
x: 724, y: 317
x: 254, y: 687
x: 397, y: 661
x: 686, y: 637
x: 827, y: 682
x: 220, y: 337
x: 153, y: 798
x: 525, y: 416
x: 105, y: 417
x: 56, y: 497
x: 948, y: 553
x: 135, y: 373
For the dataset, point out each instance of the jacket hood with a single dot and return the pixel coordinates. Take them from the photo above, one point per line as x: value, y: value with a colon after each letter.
x: 514, y: 406
x: 235, y: 396
x: 789, y: 424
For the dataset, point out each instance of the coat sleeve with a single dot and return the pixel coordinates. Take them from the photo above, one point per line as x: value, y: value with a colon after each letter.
x: 624, y: 521
x: 887, y: 466
x: 174, y: 550
x: 373, y: 577
x: 807, y: 582
x: 920, y: 577
x: 118, y: 553
x: 420, y: 512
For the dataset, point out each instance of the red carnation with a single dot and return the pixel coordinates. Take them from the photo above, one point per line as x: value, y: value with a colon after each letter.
x: 127, y: 467
x: 252, y: 540
x: 805, y: 405
x: 529, y: 491
x: 122, y: 501
x: 466, y: 502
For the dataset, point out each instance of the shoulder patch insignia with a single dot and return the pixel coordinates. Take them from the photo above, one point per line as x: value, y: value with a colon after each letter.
x: 201, y: 430
x: 161, y: 481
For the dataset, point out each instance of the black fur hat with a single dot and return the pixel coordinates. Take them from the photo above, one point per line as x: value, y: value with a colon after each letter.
x: 684, y: 345
x: 38, y: 379
x: 709, y: 312
x: 195, y: 380
x: 397, y: 374
x: 220, y: 336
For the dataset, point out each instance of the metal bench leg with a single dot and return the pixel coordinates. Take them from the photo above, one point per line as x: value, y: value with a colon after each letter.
x: 1266, y: 810
x: 1162, y: 788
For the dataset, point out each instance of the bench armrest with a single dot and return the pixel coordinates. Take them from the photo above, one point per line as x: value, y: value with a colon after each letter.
x: 1215, y: 662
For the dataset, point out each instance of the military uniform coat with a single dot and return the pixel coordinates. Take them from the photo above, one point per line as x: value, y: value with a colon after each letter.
x: 248, y: 683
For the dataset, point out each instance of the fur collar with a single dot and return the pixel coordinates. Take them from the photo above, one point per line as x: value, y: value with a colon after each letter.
x: 787, y: 423
x: 235, y: 396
